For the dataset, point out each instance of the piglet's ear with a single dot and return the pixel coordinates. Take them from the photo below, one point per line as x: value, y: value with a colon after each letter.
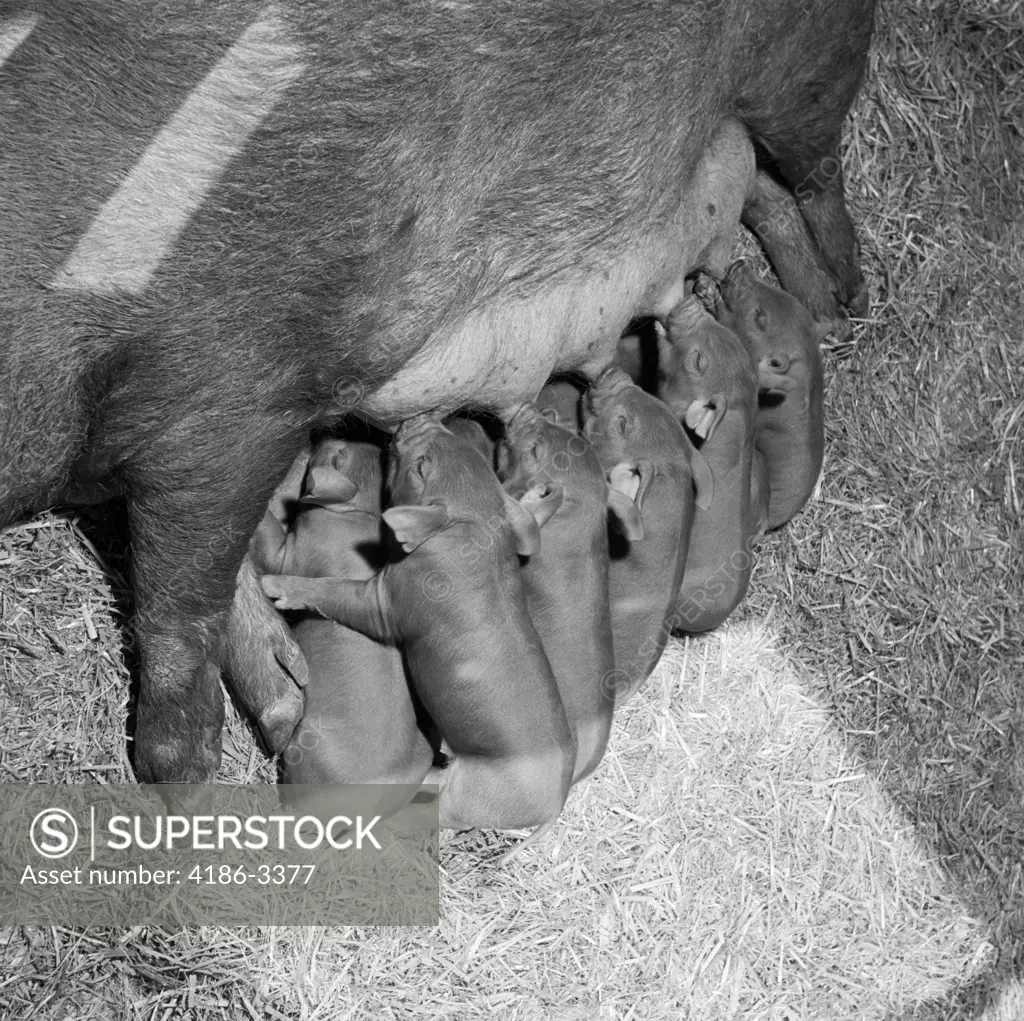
x: 416, y: 523
x: 626, y: 486
x: 530, y: 513
x: 542, y: 501
x: 704, y: 416
x: 625, y: 516
x: 327, y: 487
x: 703, y: 479
x: 624, y: 478
x: 524, y: 527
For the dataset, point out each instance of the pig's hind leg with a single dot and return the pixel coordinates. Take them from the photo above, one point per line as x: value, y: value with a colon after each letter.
x: 772, y: 215
x: 194, y: 501
x: 261, y: 658
x: 818, y: 186
x: 794, y: 106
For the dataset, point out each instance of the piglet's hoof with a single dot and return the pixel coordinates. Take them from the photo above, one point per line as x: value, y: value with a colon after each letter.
x: 286, y: 593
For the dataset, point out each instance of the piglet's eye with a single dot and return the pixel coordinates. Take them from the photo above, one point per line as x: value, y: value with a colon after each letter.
x: 696, y: 361
x: 422, y: 466
x: 761, y: 318
x: 621, y: 423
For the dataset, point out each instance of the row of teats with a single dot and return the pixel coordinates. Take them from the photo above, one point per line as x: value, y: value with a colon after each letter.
x: 496, y: 587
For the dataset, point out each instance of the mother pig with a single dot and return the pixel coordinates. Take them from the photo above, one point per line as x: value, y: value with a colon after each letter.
x: 222, y: 224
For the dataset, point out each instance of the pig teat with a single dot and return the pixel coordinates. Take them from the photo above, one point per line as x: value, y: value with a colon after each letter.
x: 415, y: 430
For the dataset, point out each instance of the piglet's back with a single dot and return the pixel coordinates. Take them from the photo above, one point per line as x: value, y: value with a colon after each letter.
x: 634, y: 432
x: 783, y: 339
x: 359, y: 725
x: 566, y: 580
x: 458, y: 607
x: 463, y: 613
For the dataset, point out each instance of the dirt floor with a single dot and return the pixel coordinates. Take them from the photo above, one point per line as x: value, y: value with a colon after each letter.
x: 818, y: 812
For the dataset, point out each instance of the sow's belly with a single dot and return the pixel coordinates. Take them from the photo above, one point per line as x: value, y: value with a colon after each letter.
x: 505, y: 353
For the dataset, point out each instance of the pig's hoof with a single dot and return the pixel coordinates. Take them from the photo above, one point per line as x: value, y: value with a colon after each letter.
x: 266, y: 677
x: 841, y: 330
x: 277, y: 723
x: 176, y: 761
x: 860, y: 304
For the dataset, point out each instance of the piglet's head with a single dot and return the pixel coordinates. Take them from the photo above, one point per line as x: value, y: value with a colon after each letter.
x: 538, y: 454
x: 343, y: 475
x: 438, y: 480
x: 526, y: 458
x: 560, y: 401
x: 415, y: 473
x: 612, y: 414
x: 637, y: 437
x: 782, y: 336
x: 704, y: 371
x: 424, y: 480
x: 474, y: 433
x: 525, y: 453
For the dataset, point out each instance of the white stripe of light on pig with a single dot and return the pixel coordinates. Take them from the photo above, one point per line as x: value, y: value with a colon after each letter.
x: 13, y: 32
x: 140, y: 222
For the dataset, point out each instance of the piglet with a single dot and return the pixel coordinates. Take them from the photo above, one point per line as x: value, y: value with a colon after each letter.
x: 645, y: 453
x: 784, y: 341
x: 566, y: 580
x: 360, y: 723
x: 455, y: 603
x: 708, y: 381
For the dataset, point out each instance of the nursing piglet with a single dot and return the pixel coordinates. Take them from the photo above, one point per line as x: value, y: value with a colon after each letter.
x: 707, y: 379
x: 359, y: 724
x: 456, y: 606
x: 784, y: 341
x: 566, y: 580
x: 646, y: 453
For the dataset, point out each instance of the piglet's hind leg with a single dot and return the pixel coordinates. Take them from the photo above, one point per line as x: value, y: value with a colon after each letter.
x: 502, y: 794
